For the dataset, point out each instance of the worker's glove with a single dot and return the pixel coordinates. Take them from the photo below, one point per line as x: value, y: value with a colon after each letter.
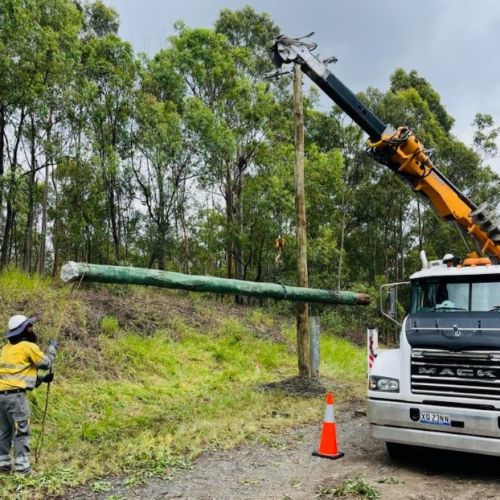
x: 53, y: 343
x: 40, y: 379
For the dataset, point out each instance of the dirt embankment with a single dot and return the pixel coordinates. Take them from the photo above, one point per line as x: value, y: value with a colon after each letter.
x: 148, y: 310
x: 284, y: 469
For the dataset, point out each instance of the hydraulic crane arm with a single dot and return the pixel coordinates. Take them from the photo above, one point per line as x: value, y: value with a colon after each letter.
x: 400, y: 150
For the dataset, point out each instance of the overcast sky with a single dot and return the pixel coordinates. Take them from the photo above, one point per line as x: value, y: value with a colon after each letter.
x: 454, y: 44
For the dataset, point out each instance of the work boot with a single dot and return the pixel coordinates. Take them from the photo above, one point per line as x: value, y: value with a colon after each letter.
x: 25, y: 472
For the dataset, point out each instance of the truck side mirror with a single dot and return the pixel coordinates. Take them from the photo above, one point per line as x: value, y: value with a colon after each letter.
x: 390, y: 290
x: 393, y: 297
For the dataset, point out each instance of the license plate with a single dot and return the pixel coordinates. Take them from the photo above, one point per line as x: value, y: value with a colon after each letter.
x: 435, y: 419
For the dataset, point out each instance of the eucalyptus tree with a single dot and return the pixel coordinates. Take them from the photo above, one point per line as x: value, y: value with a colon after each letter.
x: 485, y: 144
x: 98, y: 116
x: 79, y: 214
x: 110, y: 69
x: 230, y: 115
x: 485, y: 135
x: 330, y: 132
x: 163, y: 153
x: 38, y: 44
x: 18, y: 88
x: 253, y: 31
x: 60, y: 53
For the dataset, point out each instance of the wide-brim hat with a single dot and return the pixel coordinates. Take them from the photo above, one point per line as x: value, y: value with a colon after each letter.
x: 21, y: 327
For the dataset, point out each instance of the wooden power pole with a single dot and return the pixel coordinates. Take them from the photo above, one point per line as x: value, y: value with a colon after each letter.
x: 302, y: 278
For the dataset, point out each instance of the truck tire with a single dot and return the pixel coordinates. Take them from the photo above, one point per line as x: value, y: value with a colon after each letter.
x: 396, y: 450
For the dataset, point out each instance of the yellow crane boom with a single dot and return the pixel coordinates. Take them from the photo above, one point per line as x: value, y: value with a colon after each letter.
x: 400, y: 150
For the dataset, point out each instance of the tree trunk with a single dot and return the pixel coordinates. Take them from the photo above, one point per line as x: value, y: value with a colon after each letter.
x: 2, y: 150
x: 342, y: 235
x: 386, y: 247
x: 374, y: 263
x: 302, y: 278
x: 9, y: 222
x: 238, y: 250
x: 43, y: 235
x: 162, y: 244
x: 162, y: 226
x: 113, y: 221
x: 45, y: 203
x: 28, y: 232
x: 186, y: 265
x: 229, y: 219
x: 6, y: 249
x: 260, y: 253
x: 401, y: 244
x: 57, y: 228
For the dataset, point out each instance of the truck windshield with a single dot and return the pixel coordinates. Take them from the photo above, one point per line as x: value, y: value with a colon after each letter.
x: 443, y: 295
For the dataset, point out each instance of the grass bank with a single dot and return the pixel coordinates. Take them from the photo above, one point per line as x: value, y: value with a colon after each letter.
x: 144, y: 395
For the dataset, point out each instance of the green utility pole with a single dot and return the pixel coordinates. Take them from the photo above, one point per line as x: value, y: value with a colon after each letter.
x: 99, y: 273
x: 302, y: 277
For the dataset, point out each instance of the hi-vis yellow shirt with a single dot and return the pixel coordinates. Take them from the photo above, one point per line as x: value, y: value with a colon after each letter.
x: 18, y: 365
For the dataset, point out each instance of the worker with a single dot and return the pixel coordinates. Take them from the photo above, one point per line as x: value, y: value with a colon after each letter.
x: 449, y: 260
x: 20, y: 359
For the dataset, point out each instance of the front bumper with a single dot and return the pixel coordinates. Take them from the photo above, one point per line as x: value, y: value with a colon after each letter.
x: 390, y: 421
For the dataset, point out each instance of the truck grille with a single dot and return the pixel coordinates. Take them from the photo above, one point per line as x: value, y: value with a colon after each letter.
x: 467, y: 374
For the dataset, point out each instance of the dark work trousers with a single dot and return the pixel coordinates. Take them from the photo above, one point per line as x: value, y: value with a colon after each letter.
x: 14, y: 431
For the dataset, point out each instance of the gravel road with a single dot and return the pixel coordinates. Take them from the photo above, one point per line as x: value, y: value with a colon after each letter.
x: 285, y: 469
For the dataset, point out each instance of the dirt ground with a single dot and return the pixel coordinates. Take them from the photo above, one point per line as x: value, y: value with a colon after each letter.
x: 285, y: 470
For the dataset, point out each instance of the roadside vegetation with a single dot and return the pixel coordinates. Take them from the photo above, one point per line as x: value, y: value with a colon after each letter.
x: 141, y: 396
x: 358, y: 487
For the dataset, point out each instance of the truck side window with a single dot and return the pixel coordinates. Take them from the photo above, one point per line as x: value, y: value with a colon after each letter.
x: 485, y: 296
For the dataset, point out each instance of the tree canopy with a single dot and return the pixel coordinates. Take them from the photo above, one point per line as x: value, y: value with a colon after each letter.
x: 183, y: 160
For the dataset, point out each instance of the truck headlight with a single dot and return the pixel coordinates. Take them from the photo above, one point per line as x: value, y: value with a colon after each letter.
x: 383, y: 384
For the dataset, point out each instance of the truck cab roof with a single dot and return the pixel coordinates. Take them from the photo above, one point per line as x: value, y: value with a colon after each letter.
x: 442, y: 271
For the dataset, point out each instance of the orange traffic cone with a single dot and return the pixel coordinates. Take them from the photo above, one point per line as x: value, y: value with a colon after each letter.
x: 328, y: 443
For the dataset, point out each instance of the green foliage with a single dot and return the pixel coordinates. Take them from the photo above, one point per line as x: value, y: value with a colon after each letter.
x: 16, y: 284
x: 100, y: 20
x: 184, y: 160
x: 109, y: 325
x: 358, y: 487
x: 50, y: 482
x: 486, y: 134
x: 400, y: 81
x: 352, y: 322
x: 252, y: 30
x: 100, y: 486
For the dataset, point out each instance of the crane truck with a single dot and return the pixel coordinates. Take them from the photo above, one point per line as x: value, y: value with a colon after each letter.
x: 441, y: 387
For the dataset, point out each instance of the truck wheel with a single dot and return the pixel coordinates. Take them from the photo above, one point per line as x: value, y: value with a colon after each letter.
x: 396, y: 450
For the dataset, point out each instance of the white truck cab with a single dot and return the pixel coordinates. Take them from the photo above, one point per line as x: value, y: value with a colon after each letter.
x: 441, y: 387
